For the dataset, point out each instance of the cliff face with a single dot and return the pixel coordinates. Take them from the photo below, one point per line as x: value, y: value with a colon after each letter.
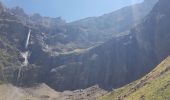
x: 110, y: 65
x: 122, y: 20
x: 58, y: 58
x: 64, y: 37
x: 154, y: 31
x: 122, y: 59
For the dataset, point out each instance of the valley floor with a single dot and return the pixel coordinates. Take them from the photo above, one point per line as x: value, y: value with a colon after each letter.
x: 43, y: 92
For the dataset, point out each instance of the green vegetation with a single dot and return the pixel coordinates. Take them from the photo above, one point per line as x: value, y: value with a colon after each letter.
x: 8, y: 54
x: 8, y: 59
x: 153, y: 86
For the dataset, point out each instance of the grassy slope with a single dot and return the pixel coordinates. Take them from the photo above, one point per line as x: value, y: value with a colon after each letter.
x: 153, y: 86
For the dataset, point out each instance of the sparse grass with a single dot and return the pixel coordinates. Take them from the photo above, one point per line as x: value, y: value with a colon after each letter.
x: 157, y: 89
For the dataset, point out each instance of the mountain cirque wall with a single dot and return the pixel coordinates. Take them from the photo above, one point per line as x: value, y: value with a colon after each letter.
x: 129, y: 56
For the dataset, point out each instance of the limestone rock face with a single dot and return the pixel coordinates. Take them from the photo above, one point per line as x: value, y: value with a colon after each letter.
x: 153, y: 33
x: 116, y: 22
x: 60, y: 55
x: 113, y: 64
x: 122, y: 59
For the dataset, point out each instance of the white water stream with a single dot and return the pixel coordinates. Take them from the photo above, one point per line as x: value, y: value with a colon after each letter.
x: 25, y: 55
x: 28, y: 38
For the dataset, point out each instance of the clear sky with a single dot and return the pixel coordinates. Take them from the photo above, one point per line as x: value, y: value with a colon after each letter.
x: 70, y: 10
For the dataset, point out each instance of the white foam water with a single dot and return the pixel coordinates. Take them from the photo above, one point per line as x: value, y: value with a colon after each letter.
x: 28, y: 38
x: 24, y: 55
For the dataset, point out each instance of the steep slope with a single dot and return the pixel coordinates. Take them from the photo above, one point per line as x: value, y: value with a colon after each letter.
x: 60, y: 37
x: 153, y: 33
x: 103, y: 27
x: 153, y: 86
x: 9, y: 55
x: 57, y: 36
x: 52, y: 43
x: 13, y: 40
x: 128, y: 56
x: 102, y: 64
x: 14, y: 35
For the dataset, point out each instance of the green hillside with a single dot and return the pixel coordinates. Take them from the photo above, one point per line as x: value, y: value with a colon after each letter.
x: 153, y: 86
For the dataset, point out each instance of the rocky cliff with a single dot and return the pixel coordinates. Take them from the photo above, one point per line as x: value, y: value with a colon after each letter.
x: 120, y: 21
x: 129, y: 56
x: 61, y: 55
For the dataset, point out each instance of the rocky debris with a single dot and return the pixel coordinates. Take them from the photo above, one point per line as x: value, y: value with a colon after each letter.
x: 43, y: 92
x: 91, y: 93
x: 39, y: 92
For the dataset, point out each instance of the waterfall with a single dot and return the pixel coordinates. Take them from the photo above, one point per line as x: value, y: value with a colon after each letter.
x: 28, y: 38
x: 25, y: 63
x: 25, y: 55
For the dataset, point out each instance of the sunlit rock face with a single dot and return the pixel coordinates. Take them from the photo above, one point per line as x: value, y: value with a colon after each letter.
x: 122, y: 59
x: 55, y: 49
x: 111, y: 65
x: 122, y: 20
x: 153, y: 33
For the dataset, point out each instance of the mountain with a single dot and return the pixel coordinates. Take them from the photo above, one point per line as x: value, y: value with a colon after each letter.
x: 153, y: 86
x: 36, y: 49
x: 122, y: 59
x: 9, y: 43
x: 37, y: 45
x: 65, y: 37
x: 120, y: 21
x: 55, y: 36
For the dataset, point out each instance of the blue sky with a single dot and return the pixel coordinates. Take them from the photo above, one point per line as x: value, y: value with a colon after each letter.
x: 70, y: 10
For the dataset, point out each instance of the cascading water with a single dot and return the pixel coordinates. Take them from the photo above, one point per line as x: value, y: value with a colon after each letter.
x: 28, y: 38
x: 24, y: 55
